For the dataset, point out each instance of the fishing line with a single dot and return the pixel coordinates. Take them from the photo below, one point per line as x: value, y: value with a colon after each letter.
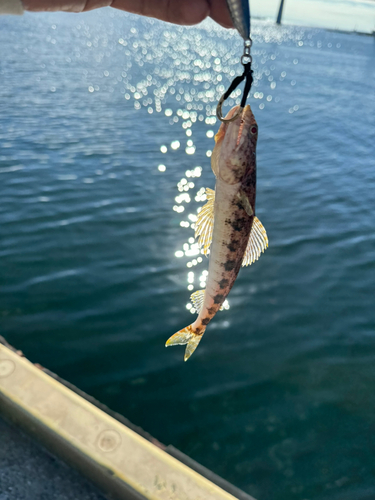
x: 246, y: 61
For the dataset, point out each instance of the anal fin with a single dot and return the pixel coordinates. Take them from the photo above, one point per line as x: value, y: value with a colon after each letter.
x: 197, y: 298
x: 258, y: 242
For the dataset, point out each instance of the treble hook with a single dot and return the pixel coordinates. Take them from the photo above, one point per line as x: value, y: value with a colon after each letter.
x: 246, y: 61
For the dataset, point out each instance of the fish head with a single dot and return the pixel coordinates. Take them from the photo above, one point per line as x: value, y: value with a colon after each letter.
x: 234, y: 152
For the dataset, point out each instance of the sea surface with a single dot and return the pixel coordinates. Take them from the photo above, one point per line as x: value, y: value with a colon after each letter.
x: 106, y: 131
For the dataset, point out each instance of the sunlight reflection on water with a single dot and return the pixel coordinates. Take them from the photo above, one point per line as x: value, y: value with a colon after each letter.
x: 195, y: 73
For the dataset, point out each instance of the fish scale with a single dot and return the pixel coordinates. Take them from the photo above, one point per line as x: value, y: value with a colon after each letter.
x: 223, y: 235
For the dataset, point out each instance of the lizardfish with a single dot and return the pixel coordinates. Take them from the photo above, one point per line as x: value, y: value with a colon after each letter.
x: 227, y: 222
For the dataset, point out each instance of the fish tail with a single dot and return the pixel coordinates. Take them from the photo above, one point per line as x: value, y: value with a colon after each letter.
x: 186, y: 336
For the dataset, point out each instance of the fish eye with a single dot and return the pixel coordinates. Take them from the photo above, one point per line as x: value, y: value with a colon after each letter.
x: 253, y: 129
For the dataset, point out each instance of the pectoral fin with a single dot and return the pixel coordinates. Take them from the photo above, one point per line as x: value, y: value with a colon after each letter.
x: 245, y: 202
x: 257, y: 243
x: 205, y: 222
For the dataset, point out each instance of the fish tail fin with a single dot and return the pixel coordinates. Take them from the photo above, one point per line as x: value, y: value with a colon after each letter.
x: 186, y: 336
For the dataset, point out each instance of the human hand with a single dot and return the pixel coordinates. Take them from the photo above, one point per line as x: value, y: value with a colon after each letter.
x: 184, y: 12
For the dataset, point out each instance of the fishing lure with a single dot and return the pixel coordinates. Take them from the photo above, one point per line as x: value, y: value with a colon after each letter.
x: 240, y: 14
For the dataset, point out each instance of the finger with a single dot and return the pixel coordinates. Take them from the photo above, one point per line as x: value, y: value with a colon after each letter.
x: 184, y: 12
x: 96, y: 4
x: 219, y: 12
x: 64, y: 5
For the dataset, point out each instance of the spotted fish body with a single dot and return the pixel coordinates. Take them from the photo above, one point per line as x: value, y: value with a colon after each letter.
x: 227, y: 222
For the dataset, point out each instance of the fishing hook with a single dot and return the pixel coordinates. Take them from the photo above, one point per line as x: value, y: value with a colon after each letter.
x: 246, y: 61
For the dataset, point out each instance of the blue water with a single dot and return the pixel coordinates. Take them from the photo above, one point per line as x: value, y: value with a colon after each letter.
x: 279, y: 396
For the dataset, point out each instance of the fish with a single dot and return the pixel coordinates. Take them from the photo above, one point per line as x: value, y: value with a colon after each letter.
x: 227, y: 227
x: 240, y: 14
